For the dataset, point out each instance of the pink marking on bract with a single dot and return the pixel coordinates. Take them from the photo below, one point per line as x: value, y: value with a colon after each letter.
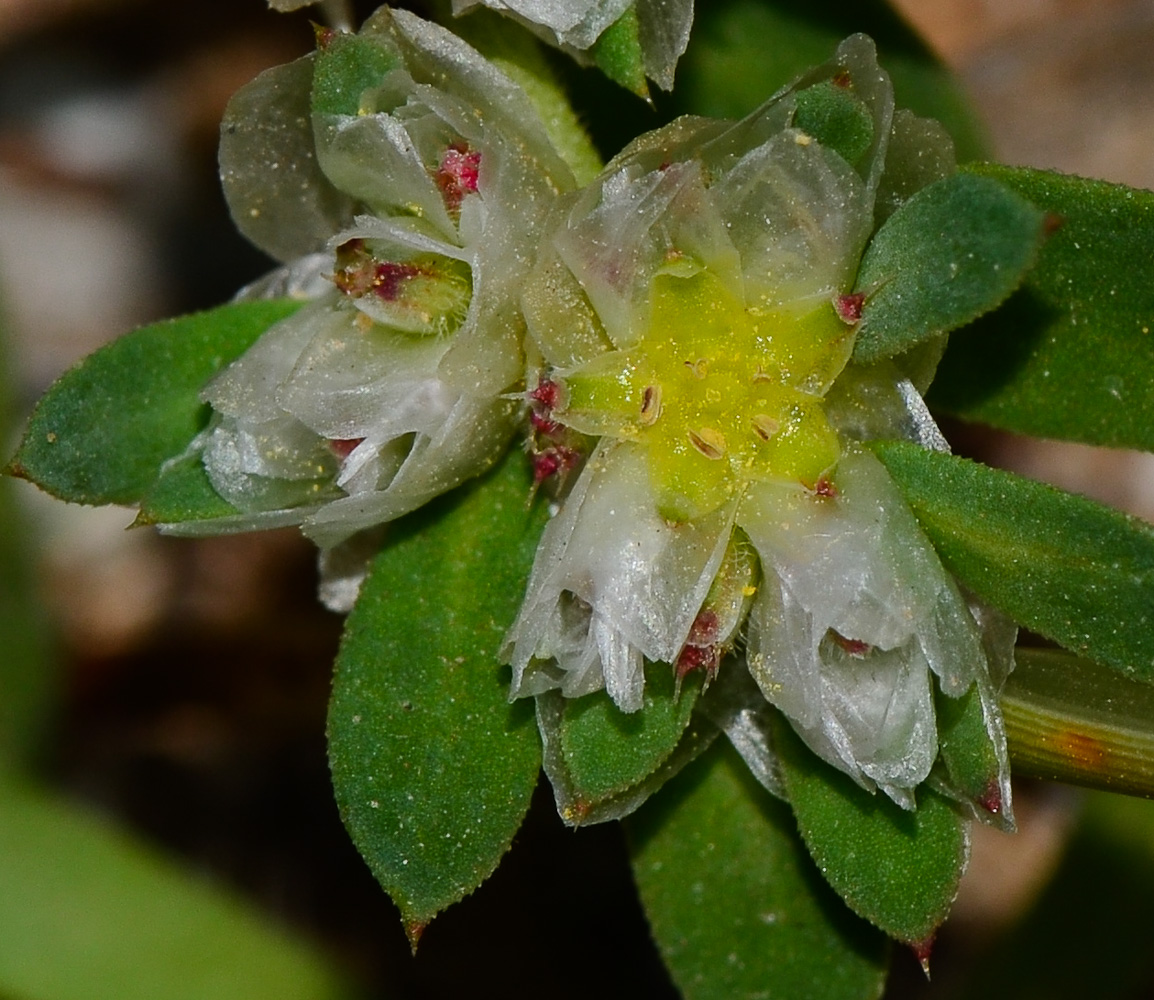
x: 542, y: 424
x: 343, y: 447
x: 547, y: 393
x: 389, y: 278
x: 991, y: 798
x: 705, y: 628
x: 824, y: 488
x: 849, y: 307
x: 855, y: 647
x: 458, y: 174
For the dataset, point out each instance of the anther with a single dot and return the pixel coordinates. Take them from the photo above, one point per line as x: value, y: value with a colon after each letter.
x: 650, y: 405
x: 709, y: 442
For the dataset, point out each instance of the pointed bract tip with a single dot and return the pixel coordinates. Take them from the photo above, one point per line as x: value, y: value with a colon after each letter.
x: 991, y: 798
x: 413, y: 931
x: 922, y: 950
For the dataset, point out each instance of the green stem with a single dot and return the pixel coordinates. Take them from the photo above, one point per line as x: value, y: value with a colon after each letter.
x: 1071, y: 720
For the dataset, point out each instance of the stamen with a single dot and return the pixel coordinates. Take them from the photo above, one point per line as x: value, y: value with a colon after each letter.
x: 650, y: 405
x: 709, y: 442
x: 765, y: 426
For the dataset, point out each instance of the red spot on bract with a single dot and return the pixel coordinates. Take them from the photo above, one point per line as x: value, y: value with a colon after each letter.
x: 849, y: 307
x: 323, y: 35
x: 1051, y: 223
x: 343, y: 447
x: 458, y: 174
x: 707, y: 658
x: 547, y: 393
x: 991, y: 798
x: 855, y: 647
x: 842, y: 79
x: 825, y: 488
x: 704, y: 629
x: 552, y: 462
x: 390, y: 276
x: 542, y: 424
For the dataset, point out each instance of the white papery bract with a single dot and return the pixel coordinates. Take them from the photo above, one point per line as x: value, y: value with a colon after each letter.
x: 403, y: 179
x: 575, y: 26
x: 694, y: 307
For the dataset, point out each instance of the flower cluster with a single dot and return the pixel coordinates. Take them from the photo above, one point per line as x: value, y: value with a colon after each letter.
x: 677, y: 338
x: 404, y: 181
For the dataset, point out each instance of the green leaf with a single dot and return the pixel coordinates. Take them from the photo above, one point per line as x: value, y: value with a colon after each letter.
x: 836, y: 118
x: 183, y: 492
x: 102, y: 431
x: 88, y: 913
x: 607, y: 751
x: 900, y: 870
x: 602, y: 762
x: 741, y: 51
x: 346, y: 65
x: 1066, y: 567
x: 952, y: 252
x: 1071, y: 356
x: 432, y: 768
x: 967, y: 753
x: 735, y: 905
x: 617, y: 53
x: 1069, y: 719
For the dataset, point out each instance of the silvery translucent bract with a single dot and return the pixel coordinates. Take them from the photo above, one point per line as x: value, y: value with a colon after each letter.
x: 403, y: 179
x: 695, y: 311
x: 574, y: 25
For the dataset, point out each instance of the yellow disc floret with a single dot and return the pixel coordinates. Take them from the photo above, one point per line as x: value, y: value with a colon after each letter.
x: 720, y: 393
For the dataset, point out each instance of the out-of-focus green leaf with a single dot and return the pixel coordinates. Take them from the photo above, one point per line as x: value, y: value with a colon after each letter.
x: 952, y: 252
x: 101, y: 433
x: 87, y: 913
x: 1071, y: 355
x: 1069, y: 719
x: 617, y: 53
x: 741, y: 51
x: 735, y: 905
x: 1070, y: 569
x: 432, y: 768
x: 900, y: 870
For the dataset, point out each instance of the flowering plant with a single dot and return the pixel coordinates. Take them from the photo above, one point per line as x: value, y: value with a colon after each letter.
x: 653, y: 435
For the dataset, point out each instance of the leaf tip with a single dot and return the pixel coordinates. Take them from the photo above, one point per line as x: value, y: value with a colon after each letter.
x: 413, y: 931
x: 922, y: 950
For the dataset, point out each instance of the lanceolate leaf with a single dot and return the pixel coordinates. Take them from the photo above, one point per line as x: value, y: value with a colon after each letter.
x: 900, y: 870
x: 101, y: 433
x: 432, y: 768
x: 735, y: 905
x: 954, y: 251
x: 1066, y: 567
x: 1071, y: 355
x: 1072, y: 720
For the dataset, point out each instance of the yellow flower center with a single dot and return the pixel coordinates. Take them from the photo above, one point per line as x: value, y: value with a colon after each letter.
x: 721, y: 394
